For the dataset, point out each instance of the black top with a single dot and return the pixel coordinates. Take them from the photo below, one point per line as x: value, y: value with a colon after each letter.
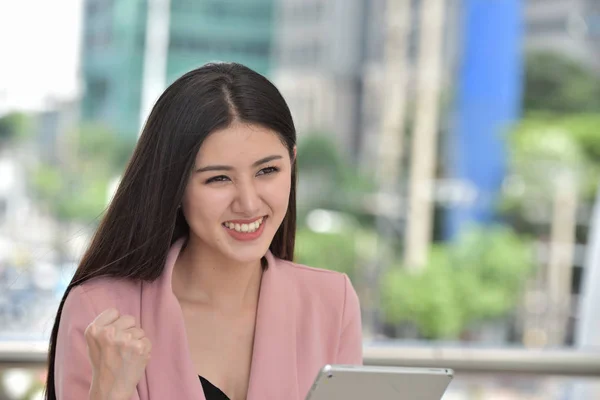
x: 211, y: 392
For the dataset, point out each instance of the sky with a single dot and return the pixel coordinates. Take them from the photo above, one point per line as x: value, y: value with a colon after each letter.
x: 39, y: 52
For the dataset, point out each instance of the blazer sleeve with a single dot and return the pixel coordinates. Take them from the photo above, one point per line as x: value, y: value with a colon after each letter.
x: 350, y: 351
x: 72, y: 368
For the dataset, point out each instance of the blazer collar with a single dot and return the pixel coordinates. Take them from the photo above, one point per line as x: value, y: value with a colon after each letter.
x: 170, y: 369
x: 273, y: 373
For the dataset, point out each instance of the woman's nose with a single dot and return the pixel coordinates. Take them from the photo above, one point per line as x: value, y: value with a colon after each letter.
x: 247, y: 200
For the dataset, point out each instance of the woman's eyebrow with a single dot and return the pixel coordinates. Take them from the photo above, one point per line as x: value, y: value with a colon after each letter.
x: 267, y: 159
x: 229, y: 168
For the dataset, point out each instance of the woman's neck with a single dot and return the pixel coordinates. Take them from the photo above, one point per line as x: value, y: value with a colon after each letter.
x: 206, y: 278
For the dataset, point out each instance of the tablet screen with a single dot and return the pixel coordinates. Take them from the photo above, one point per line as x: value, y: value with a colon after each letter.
x: 381, y: 383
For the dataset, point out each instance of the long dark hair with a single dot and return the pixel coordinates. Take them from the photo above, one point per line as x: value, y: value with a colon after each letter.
x: 143, y: 219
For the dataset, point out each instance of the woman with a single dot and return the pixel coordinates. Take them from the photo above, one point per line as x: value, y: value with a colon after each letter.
x: 188, y: 290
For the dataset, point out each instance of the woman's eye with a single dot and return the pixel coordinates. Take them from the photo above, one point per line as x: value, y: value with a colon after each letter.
x: 220, y: 178
x: 268, y: 170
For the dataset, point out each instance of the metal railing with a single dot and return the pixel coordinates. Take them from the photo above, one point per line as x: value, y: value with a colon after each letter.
x: 488, y: 360
x: 467, y: 360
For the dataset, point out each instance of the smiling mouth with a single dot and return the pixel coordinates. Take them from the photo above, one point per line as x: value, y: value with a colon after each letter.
x: 245, y: 228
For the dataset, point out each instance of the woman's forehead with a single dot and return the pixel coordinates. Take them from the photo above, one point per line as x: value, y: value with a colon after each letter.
x: 240, y: 141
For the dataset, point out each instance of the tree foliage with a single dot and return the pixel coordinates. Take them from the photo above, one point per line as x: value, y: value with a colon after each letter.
x: 334, y: 251
x: 557, y: 138
x: 556, y: 83
x: 478, y: 278
x: 77, y: 189
x: 327, y: 179
x: 544, y: 146
x: 14, y: 126
x: 343, y: 251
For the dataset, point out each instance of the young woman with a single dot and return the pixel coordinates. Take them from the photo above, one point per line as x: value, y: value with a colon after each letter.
x: 188, y: 289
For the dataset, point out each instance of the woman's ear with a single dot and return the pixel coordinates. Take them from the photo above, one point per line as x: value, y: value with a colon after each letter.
x: 295, y: 154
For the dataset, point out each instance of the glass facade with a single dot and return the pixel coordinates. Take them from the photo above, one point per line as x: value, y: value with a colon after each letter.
x: 199, y: 32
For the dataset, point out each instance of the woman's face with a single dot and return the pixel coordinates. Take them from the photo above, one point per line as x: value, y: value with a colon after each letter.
x: 238, y: 193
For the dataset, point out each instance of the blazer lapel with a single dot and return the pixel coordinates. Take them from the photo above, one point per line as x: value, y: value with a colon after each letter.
x: 273, y: 375
x: 170, y: 373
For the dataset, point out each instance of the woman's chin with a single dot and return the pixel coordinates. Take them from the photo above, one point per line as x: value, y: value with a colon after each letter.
x: 246, y: 256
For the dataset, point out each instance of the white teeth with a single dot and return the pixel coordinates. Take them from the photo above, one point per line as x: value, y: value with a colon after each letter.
x: 245, y: 228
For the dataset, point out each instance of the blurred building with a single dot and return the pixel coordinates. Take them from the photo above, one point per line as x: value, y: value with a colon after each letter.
x: 25, y: 223
x: 199, y: 31
x: 328, y: 63
x: 318, y: 64
x: 13, y: 198
x: 54, y: 124
x: 569, y: 27
x: 375, y: 89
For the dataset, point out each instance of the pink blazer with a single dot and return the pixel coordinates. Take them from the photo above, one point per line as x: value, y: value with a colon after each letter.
x: 306, y: 318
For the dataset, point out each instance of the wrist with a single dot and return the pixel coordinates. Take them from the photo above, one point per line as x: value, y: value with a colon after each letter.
x: 102, y: 391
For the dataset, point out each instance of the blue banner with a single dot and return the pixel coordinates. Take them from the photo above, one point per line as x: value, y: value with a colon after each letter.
x: 487, y: 102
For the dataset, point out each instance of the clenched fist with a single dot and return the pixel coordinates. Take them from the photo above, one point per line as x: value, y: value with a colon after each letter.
x: 118, y: 352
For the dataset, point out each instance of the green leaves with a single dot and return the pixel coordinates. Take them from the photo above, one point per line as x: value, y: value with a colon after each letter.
x: 335, y: 251
x: 427, y: 299
x: 102, y: 148
x: 559, y: 84
x: 317, y: 152
x: 70, y: 197
x: 544, y: 146
x: 558, y: 140
x: 14, y: 126
x: 478, y: 278
x: 328, y: 181
x: 77, y: 189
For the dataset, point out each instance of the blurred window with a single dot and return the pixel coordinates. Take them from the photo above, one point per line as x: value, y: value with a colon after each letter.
x: 545, y: 26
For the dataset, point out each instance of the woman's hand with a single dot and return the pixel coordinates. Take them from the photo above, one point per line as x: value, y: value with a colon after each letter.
x: 118, y: 352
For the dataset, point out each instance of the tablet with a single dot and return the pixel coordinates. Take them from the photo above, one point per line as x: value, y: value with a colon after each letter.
x: 382, y: 383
